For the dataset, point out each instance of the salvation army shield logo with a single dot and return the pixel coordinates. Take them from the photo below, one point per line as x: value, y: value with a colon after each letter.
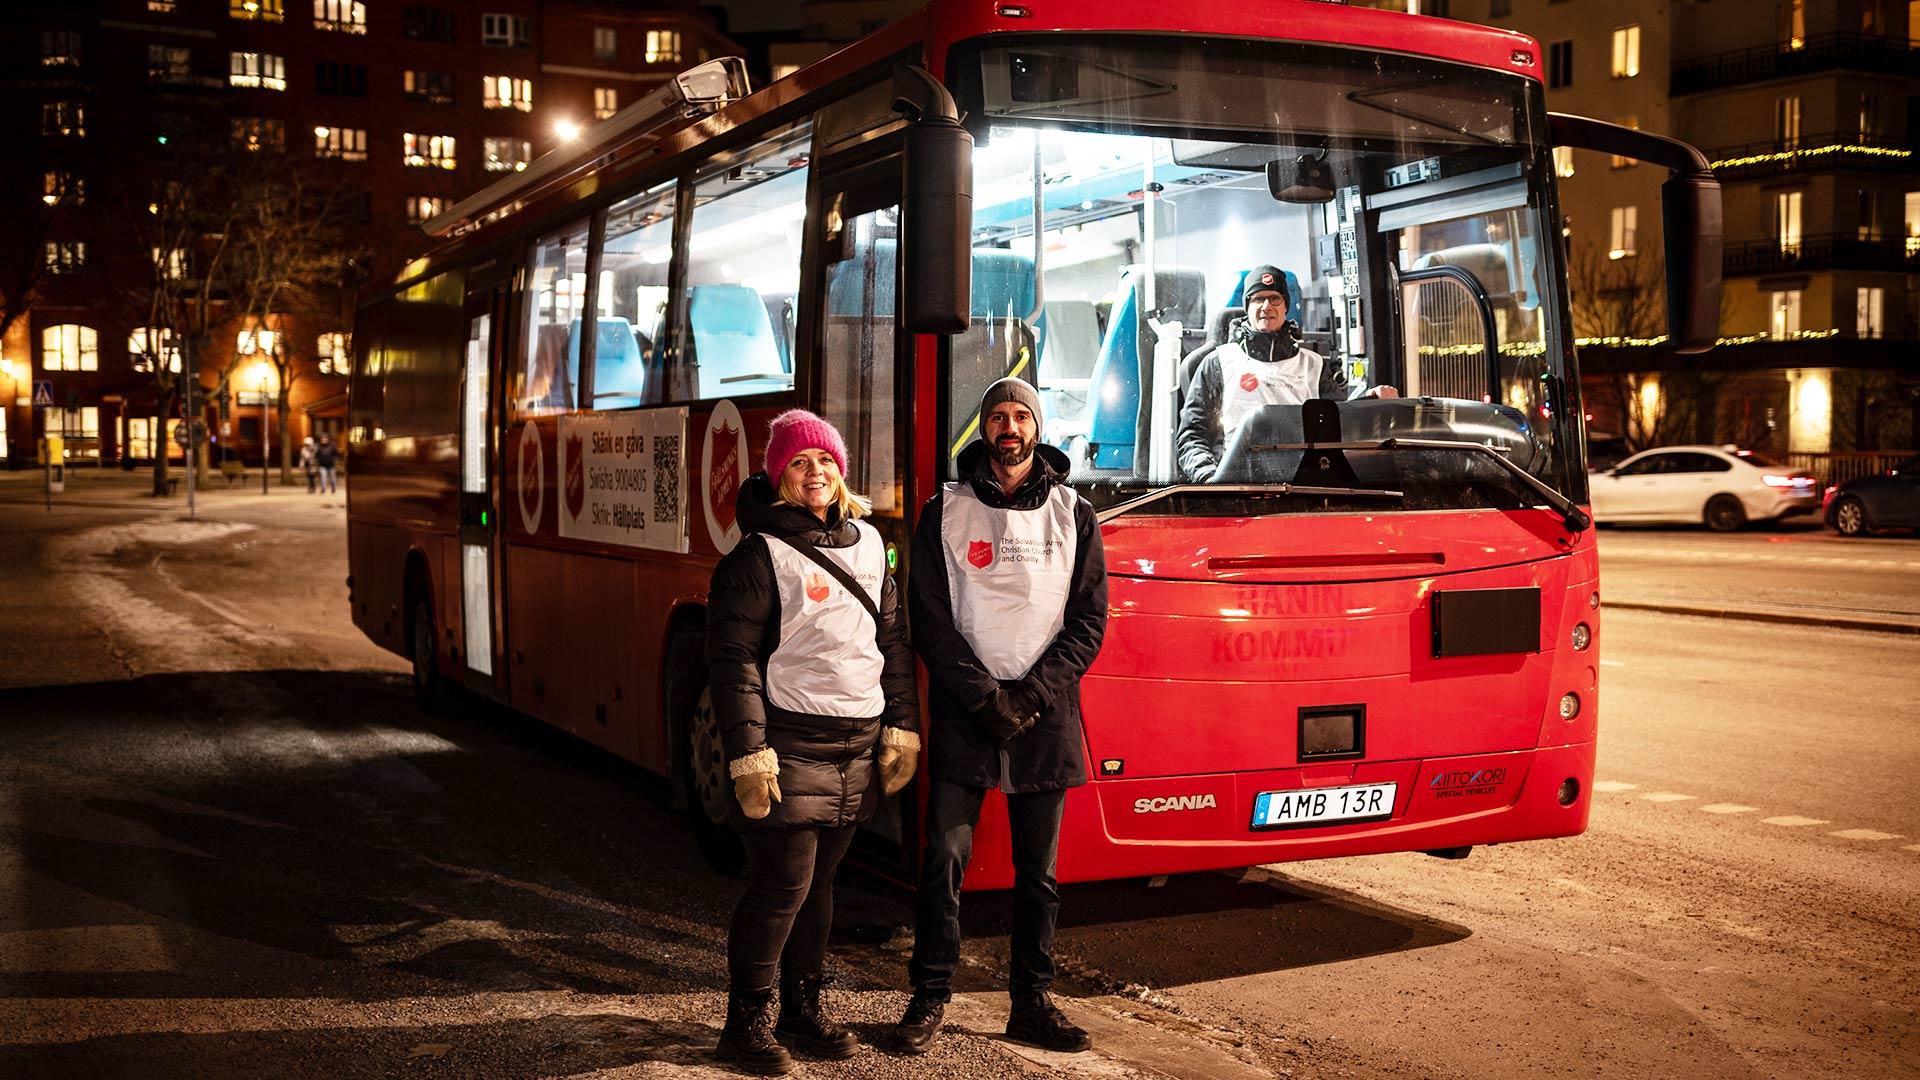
x: 532, y: 464
x: 1266, y: 279
x: 576, y: 489
x: 1249, y: 382
x: 980, y: 553
x: 816, y: 587
x: 723, y: 468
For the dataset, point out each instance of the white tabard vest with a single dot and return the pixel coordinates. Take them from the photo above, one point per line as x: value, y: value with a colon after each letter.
x: 827, y: 662
x: 1008, y: 574
x: 1246, y: 384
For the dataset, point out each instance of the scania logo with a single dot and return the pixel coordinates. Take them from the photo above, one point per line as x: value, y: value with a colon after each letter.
x: 1177, y: 802
x: 1466, y: 778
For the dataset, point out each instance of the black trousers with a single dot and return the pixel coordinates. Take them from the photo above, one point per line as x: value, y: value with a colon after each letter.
x: 1034, y: 819
x: 781, y: 923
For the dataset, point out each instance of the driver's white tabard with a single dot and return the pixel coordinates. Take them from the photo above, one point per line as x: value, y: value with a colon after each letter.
x: 1247, y: 384
x: 1008, y: 574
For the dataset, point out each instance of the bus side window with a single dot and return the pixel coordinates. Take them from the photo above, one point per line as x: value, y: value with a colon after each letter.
x: 558, y: 297
x: 369, y: 374
x: 743, y: 269
x: 632, y: 298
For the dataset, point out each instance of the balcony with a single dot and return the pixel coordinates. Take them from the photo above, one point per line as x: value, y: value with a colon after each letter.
x: 1830, y: 251
x: 1813, y: 153
x: 1827, y: 52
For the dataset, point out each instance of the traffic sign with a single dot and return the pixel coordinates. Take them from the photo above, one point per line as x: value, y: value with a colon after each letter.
x: 199, y: 432
x: 42, y: 394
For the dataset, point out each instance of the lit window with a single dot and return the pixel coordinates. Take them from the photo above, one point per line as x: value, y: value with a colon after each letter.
x: 73, y: 425
x: 606, y: 102
x: 421, y: 208
x: 332, y: 353
x: 429, y: 150
x: 161, y: 7
x: 781, y: 71
x: 258, y: 133
x: 606, y: 43
x: 263, y: 70
x: 1619, y: 161
x: 1626, y: 52
x: 347, y: 144
x: 66, y: 256
x: 1786, y: 221
x: 256, y: 10
x: 1625, y: 223
x: 1793, y: 24
x: 69, y: 347
x: 148, y: 341
x: 59, y: 186
x: 250, y: 342
x: 346, y: 16
x: 169, y: 63
x: 1783, y: 318
x: 516, y: 30
x: 1786, y: 123
x: 170, y: 265
x: 507, y: 92
x: 431, y: 87
x: 1913, y: 222
x: 507, y: 155
x: 1868, y: 309
x: 60, y: 48
x: 63, y: 118
x: 1563, y: 161
x: 663, y: 46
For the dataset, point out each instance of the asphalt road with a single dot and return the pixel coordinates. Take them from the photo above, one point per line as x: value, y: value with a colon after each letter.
x: 1799, y: 566
x: 231, y: 846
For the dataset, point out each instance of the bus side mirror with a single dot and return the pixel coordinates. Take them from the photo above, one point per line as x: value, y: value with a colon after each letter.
x: 1690, y: 210
x: 936, y: 227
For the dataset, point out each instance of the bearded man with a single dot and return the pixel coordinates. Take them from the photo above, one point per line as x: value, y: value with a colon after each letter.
x: 1008, y: 600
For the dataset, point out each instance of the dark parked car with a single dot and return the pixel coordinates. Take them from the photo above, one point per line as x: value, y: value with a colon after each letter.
x: 1890, y: 500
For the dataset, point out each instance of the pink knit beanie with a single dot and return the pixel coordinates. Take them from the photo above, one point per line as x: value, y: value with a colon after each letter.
x: 796, y: 430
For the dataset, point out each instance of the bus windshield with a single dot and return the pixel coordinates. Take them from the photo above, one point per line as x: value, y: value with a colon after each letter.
x: 1386, y: 213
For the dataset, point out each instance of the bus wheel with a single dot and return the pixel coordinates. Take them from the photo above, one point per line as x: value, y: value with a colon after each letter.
x: 429, y: 687
x: 709, y: 789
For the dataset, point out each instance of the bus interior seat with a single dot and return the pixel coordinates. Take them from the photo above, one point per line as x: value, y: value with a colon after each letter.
x: 1070, y: 343
x: 1002, y: 284
x: 1217, y: 331
x: 733, y: 342
x: 846, y: 283
x: 550, y: 382
x: 1118, y: 372
x: 619, y: 366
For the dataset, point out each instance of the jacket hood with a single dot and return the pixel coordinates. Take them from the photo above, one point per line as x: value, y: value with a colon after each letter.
x: 1260, y: 345
x: 759, y: 510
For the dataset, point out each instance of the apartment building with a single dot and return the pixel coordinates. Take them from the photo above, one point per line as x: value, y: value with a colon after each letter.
x: 417, y: 104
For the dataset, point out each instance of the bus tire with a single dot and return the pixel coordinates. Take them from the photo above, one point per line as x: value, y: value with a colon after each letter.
x: 430, y: 688
x: 701, y: 757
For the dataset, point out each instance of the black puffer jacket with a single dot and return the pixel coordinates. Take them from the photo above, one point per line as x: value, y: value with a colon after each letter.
x: 1053, y: 754
x: 828, y: 775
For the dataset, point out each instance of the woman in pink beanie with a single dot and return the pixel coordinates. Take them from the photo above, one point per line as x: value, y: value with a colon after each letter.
x: 812, y: 684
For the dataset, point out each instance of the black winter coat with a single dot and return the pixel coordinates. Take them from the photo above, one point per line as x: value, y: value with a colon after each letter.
x: 960, y: 748
x: 828, y: 774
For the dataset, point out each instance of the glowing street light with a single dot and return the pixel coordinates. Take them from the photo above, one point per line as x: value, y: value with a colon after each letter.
x: 567, y: 130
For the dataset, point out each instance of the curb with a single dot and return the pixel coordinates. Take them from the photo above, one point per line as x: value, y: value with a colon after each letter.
x: 1786, y: 618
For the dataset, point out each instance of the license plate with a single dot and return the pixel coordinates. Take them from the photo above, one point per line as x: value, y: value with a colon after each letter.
x: 1322, y: 806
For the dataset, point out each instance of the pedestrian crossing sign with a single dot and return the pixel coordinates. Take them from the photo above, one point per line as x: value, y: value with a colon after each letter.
x: 42, y: 394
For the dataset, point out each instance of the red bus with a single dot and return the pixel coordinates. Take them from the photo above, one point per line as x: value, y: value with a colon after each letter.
x: 1371, y: 625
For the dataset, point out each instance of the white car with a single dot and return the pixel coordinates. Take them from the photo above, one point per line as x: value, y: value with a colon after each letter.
x: 1718, y: 486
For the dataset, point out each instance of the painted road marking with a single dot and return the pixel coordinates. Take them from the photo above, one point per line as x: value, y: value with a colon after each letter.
x: 1864, y: 834
x: 1727, y: 808
x: 1666, y: 796
x: 1792, y: 822
x: 1748, y: 556
x: 1911, y: 847
x: 1610, y: 786
x: 1613, y: 663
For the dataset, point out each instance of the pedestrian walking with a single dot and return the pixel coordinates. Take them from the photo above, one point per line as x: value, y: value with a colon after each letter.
x: 813, y: 691
x: 309, y: 452
x: 1008, y: 599
x: 326, y: 456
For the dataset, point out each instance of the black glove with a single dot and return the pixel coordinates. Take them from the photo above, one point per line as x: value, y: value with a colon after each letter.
x: 1009, y: 713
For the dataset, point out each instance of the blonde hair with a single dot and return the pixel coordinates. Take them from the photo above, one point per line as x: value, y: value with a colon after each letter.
x: 851, y: 506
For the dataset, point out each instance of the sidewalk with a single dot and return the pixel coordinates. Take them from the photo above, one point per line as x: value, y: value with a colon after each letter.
x: 113, y: 488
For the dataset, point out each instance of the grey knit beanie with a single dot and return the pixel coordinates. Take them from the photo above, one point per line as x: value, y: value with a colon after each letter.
x: 1012, y: 389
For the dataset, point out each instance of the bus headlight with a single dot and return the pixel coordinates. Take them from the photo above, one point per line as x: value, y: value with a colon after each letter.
x: 1593, y: 600
x: 1569, y: 706
x: 1582, y: 637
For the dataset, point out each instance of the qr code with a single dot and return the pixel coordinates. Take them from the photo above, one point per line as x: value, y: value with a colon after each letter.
x: 666, y: 478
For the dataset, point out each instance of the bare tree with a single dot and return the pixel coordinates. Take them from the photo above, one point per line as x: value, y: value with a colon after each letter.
x: 34, y: 197
x: 288, y: 264
x: 1622, y: 302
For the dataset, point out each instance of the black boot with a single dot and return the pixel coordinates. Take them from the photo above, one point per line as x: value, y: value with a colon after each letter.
x: 805, y: 1027
x: 1037, y: 1022
x: 747, y: 1040
x: 919, y: 1024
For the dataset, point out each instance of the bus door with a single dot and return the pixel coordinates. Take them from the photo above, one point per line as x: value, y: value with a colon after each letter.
x: 863, y: 383
x: 479, y: 516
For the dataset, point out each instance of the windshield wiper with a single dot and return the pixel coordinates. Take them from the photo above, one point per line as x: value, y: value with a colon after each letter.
x: 1575, y: 518
x: 1156, y: 495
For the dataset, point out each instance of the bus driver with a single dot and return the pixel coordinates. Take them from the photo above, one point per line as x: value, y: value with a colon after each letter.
x: 1260, y: 363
